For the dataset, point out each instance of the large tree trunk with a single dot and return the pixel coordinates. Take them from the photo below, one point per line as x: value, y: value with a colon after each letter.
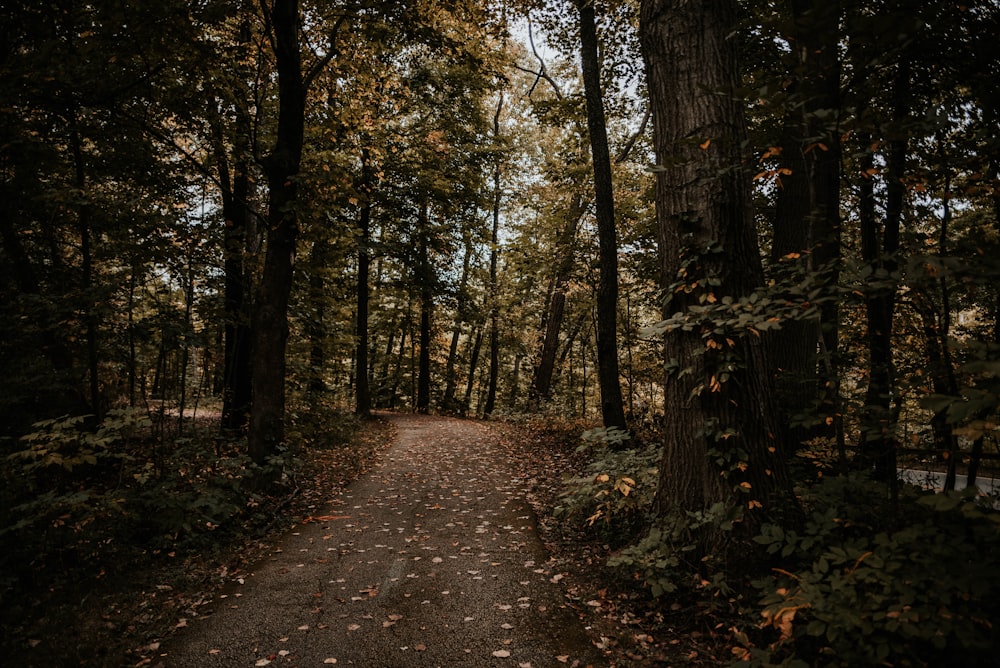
x: 612, y: 408
x: 270, y: 317
x: 708, y: 246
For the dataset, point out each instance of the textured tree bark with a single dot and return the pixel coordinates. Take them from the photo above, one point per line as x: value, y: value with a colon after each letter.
x: 270, y: 316
x: 708, y: 246
x: 609, y: 379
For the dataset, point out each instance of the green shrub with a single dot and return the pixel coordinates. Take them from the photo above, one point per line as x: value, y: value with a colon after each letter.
x: 66, y: 443
x: 615, y: 495
x: 82, y: 490
x: 668, y: 558
x: 868, y: 581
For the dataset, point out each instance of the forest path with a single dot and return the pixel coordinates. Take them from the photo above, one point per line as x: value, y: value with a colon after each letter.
x: 430, y: 559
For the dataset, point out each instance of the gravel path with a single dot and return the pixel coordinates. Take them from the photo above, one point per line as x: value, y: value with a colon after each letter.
x: 431, y: 559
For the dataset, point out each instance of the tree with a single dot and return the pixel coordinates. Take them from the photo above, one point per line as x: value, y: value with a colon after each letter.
x: 281, y: 165
x: 718, y: 411
x: 612, y: 408
x: 807, y: 226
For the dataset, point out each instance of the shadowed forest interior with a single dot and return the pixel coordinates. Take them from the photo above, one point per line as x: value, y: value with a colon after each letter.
x: 743, y: 257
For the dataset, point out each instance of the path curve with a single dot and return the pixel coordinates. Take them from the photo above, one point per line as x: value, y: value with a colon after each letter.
x: 431, y: 559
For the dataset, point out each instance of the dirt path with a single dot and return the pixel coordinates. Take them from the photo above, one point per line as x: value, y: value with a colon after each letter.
x: 431, y: 559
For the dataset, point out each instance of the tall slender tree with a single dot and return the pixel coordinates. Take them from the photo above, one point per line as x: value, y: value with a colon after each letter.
x: 609, y: 377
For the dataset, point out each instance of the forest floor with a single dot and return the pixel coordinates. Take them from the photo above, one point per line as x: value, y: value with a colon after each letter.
x: 443, y: 552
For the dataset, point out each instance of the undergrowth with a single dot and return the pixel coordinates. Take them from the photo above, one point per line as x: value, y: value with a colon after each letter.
x: 90, y: 511
x: 863, y: 578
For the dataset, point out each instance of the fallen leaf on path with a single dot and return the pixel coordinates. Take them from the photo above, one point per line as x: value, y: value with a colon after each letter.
x: 420, y: 647
x: 262, y: 662
x: 501, y: 654
x: 563, y: 658
x: 353, y: 627
x: 331, y: 660
x: 215, y: 651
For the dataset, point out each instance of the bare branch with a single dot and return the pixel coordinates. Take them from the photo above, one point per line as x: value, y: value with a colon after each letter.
x: 630, y: 144
x: 541, y: 73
